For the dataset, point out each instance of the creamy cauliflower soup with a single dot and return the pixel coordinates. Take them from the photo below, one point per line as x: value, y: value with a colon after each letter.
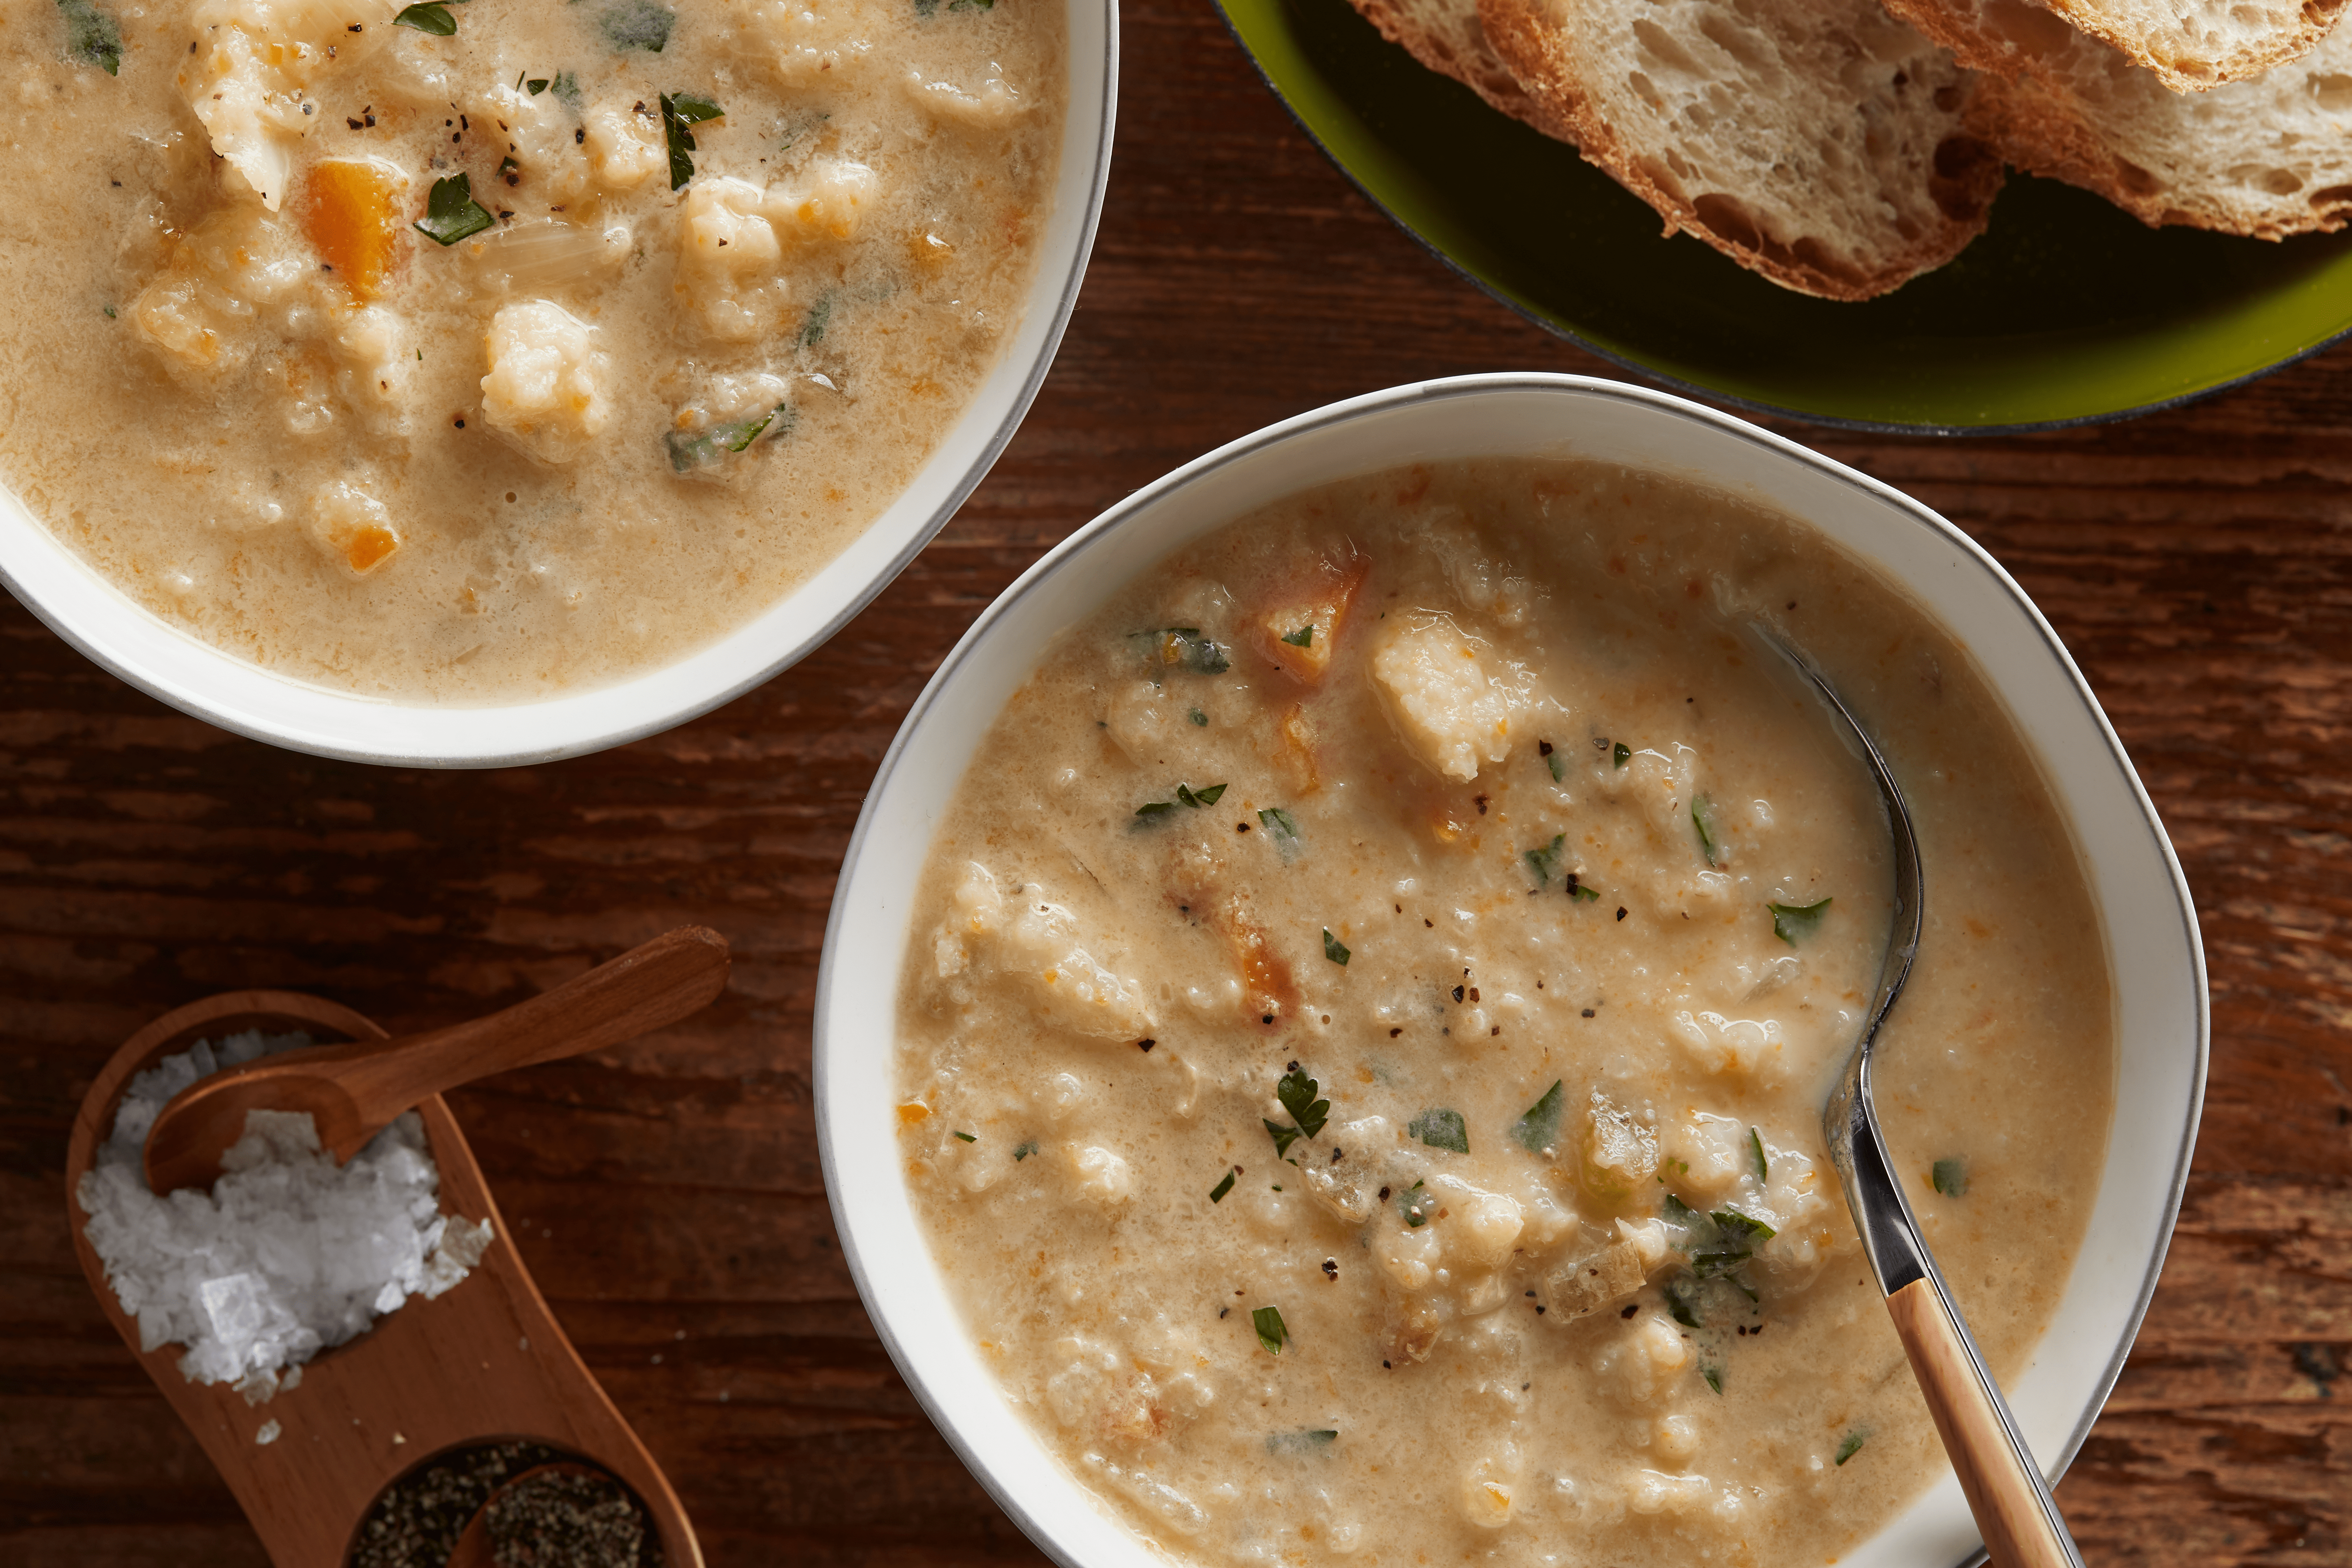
x: 474, y: 350
x: 1370, y: 1008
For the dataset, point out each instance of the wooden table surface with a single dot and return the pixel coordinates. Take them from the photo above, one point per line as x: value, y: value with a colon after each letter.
x: 2197, y: 563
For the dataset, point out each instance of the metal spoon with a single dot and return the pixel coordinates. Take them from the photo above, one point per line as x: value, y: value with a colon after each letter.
x: 2013, y: 1509
x: 352, y: 1091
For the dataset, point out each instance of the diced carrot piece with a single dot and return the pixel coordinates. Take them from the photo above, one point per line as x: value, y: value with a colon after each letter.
x: 1300, y: 629
x: 1266, y: 986
x: 351, y: 219
x: 914, y: 1110
x: 368, y: 545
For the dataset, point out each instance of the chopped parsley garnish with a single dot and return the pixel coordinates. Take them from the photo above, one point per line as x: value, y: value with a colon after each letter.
x: 1417, y: 1204
x: 680, y: 111
x: 1790, y: 921
x: 638, y: 25
x: 1703, y: 818
x: 1682, y: 1301
x: 1271, y: 1334
x: 1334, y: 949
x: 1027, y: 1149
x: 1283, y: 830
x: 1155, y: 807
x: 1441, y: 1128
x: 1851, y: 1443
x: 566, y: 86
x: 1712, y: 1372
x: 692, y: 449
x: 969, y: 1136
x: 1197, y: 798
x: 1558, y: 764
x: 1200, y: 718
x: 1184, y: 647
x: 451, y: 213
x: 92, y: 38
x: 1579, y: 892
x: 1950, y: 1177
x: 1298, y: 1093
x: 1538, y: 1128
x: 1719, y: 1244
x: 1620, y: 754
x: 1545, y: 862
x: 1303, y: 638
x: 1217, y: 1194
x: 820, y: 317
x: 1300, y: 1442
x: 1756, y: 1147
x: 538, y: 85
x: 430, y: 17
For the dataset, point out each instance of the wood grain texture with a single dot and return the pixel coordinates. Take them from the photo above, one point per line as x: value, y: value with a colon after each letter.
x: 666, y: 1195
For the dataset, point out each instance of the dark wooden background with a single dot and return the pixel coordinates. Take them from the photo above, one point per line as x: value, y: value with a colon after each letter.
x: 2197, y: 563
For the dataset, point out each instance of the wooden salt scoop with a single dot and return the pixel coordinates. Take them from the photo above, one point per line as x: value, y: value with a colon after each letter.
x: 352, y: 1091
x: 484, y: 1361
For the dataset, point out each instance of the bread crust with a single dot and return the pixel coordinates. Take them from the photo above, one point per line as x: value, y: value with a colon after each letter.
x: 1965, y: 176
x: 1448, y: 36
x: 2183, y: 66
x: 2064, y: 105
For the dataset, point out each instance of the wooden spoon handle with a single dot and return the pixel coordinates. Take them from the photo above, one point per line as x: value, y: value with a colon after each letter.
x: 2020, y: 1525
x: 645, y: 988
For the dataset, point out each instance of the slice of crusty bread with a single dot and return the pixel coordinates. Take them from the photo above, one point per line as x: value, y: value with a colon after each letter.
x: 1822, y: 142
x: 2269, y: 157
x: 1445, y: 36
x: 2196, y: 45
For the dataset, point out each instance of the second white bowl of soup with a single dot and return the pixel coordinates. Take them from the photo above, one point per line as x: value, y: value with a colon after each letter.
x: 1325, y: 1019
x: 488, y: 385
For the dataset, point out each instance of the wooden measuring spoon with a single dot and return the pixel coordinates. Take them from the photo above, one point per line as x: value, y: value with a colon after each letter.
x: 352, y: 1091
x: 484, y: 1362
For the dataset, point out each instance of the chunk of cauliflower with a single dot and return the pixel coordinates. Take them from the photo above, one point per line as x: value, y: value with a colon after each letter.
x: 550, y: 168
x: 729, y: 255
x: 249, y: 84
x: 825, y: 203
x: 547, y: 388
x: 201, y: 309
x: 1036, y: 945
x: 625, y: 145
x: 995, y: 102
x: 1447, y: 709
x: 803, y: 40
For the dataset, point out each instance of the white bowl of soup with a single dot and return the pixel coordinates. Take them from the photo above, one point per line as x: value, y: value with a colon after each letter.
x: 481, y: 386
x: 1324, y: 1019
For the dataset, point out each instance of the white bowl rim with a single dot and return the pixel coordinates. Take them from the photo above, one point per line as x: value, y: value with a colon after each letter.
x: 596, y: 718
x: 829, y: 973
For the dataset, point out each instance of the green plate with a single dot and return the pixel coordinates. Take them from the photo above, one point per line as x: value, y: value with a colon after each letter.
x: 2067, y: 310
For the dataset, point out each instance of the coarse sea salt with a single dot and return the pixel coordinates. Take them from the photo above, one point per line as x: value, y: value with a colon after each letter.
x: 290, y: 1254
